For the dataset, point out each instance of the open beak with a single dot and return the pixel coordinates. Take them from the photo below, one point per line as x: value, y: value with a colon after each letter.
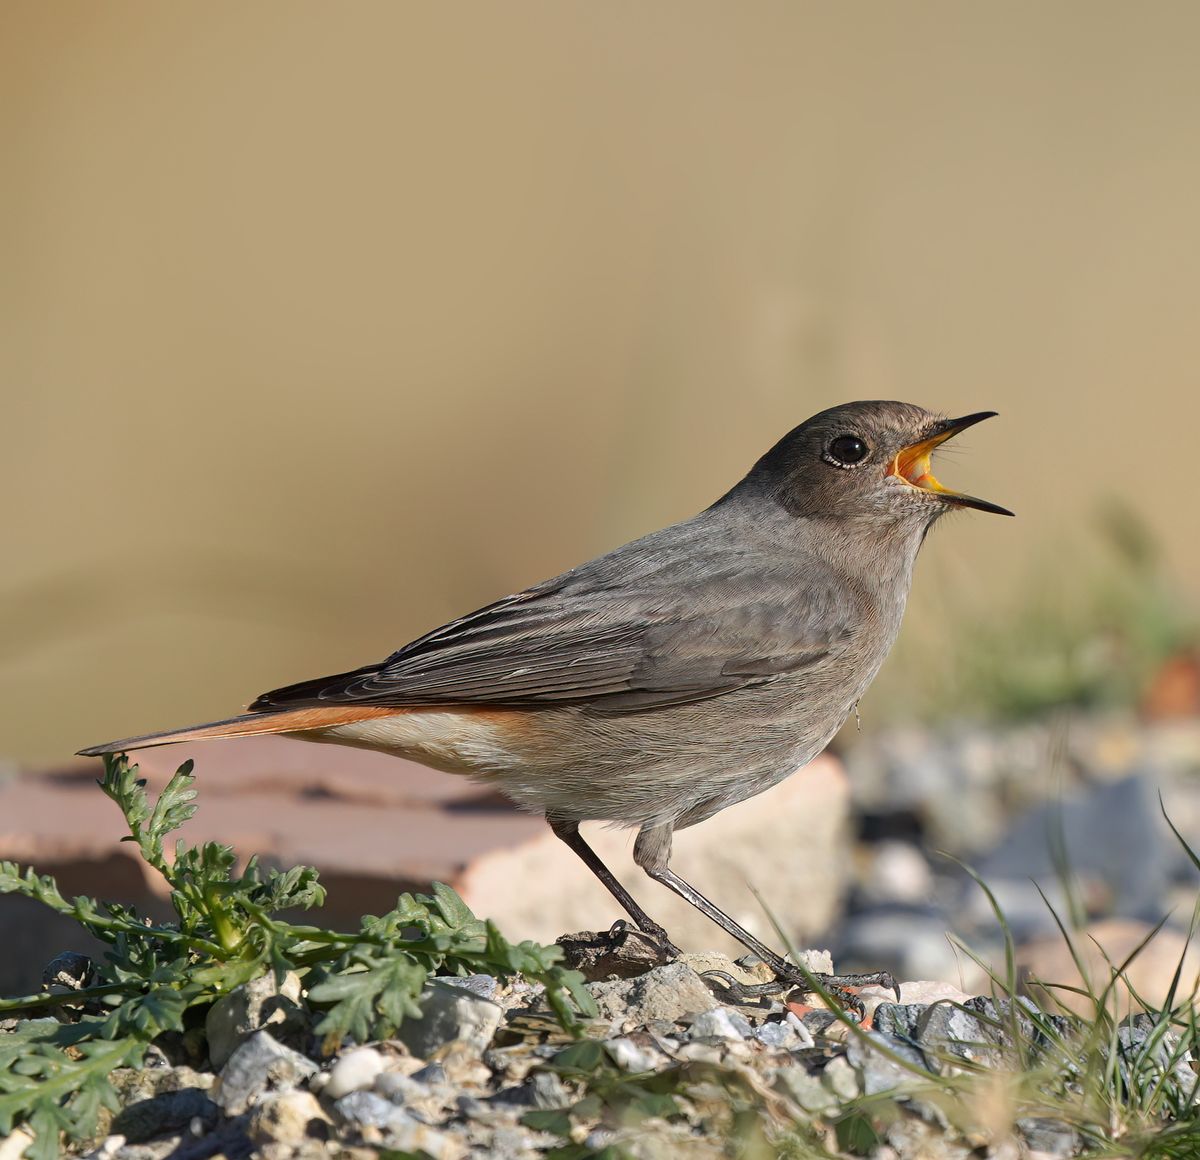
x: 911, y: 464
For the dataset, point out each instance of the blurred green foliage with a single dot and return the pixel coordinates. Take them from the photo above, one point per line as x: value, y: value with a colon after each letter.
x: 1089, y: 629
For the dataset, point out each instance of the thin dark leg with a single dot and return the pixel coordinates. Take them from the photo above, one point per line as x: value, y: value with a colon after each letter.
x: 568, y: 832
x: 782, y: 968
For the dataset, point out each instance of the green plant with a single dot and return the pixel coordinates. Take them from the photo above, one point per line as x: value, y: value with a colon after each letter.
x: 54, y: 1075
x: 1091, y: 635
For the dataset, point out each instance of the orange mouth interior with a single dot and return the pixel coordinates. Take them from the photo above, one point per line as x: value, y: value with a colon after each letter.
x: 912, y: 465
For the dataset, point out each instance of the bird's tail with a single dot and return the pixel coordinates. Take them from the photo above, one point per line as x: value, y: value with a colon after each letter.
x: 248, y: 725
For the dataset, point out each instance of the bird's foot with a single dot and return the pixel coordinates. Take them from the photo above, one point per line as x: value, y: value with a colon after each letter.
x: 747, y: 993
x: 648, y: 932
x: 791, y: 979
x: 838, y: 987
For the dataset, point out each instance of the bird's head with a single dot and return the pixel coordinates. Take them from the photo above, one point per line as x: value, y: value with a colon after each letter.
x: 867, y: 458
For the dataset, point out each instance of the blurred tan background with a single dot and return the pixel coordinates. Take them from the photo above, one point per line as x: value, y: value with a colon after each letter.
x: 320, y: 325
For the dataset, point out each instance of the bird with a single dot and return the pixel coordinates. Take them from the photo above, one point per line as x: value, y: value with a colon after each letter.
x: 671, y: 677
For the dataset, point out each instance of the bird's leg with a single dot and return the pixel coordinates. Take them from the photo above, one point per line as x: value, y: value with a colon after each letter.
x: 568, y: 832
x: 651, y: 852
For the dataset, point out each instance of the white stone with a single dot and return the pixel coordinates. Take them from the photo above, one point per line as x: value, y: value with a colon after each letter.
x: 354, y: 1071
x: 13, y: 1146
x: 106, y: 1150
x: 719, y: 1023
x: 449, y: 1014
x: 628, y: 1056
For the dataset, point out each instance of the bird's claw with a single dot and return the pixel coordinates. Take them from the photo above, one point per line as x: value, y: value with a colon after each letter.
x: 791, y: 980
x: 621, y: 930
x: 746, y: 992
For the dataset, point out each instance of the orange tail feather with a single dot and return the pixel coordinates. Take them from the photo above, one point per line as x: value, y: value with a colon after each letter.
x: 248, y: 725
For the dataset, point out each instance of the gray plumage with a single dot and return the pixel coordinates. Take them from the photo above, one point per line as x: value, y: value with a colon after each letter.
x: 677, y: 674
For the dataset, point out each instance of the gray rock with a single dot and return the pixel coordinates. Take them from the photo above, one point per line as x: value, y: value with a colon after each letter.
x: 979, y: 1031
x: 670, y: 993
x: 69, y: 971
x: 485, y: 986
x: 1112, y: 838
x: 944, y: 1029
x: 720, y: 1023
x: 259, y: 1065
x: 354, y: 1071
x: 1050, y: 1137
x: 841, y: 1079
x: 512, y: 1143
x: 398, y: 1129
x: 106, y: 1150
x: 806, y: 1089
x: 885, y: 1064
x: 899, y: 1020
x: 253, y: 1006
x: 434, y: 1074
x: 167, y: 1112
x: 820, y: 1022
x: 913, y: 1137
x: 450, y: 1012
x: 369, y: 1110
x: 549, y: 1091
x: 599, y: 1138
x: 1149, y: 1055
x: 400, y: 1088
x: 788, y: 1034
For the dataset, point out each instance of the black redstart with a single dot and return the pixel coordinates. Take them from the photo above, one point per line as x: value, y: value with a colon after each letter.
x: 674, y: 676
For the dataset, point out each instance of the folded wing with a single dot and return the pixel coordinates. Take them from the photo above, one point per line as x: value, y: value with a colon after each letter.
x: 567, y: 642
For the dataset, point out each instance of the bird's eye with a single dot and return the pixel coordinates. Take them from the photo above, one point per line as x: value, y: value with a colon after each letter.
x: 847, y: 450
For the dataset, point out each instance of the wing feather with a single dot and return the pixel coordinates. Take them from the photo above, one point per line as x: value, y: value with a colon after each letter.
x: 647, y: 642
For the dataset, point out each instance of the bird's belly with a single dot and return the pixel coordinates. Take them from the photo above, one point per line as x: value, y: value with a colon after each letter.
x: 680, y: 764
x: 473, y: 741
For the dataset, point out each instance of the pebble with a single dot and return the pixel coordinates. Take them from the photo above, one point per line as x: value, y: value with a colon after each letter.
x: 12, y: 1146
x: 69, y: 971
x: 485, y: 986
x: 398, y: 1129
x: 720, y: 1023
x: 806, y: 1089
x: 1144, y: 1049
x: 670, y: 993
x: 699, y: 1053
x: 451, y: 1013
x: 788, y: 1034
x: 289, y: 1118
x: 628, y: 1056
x: 549, y: 1091
x: 879, y: 1070
x: 354, y: 1071
x: 251, y: 1007
x: 257, y: 1066
x: 107, y: 1149
x: 400, y: 1088
x: 1049, y: 1137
